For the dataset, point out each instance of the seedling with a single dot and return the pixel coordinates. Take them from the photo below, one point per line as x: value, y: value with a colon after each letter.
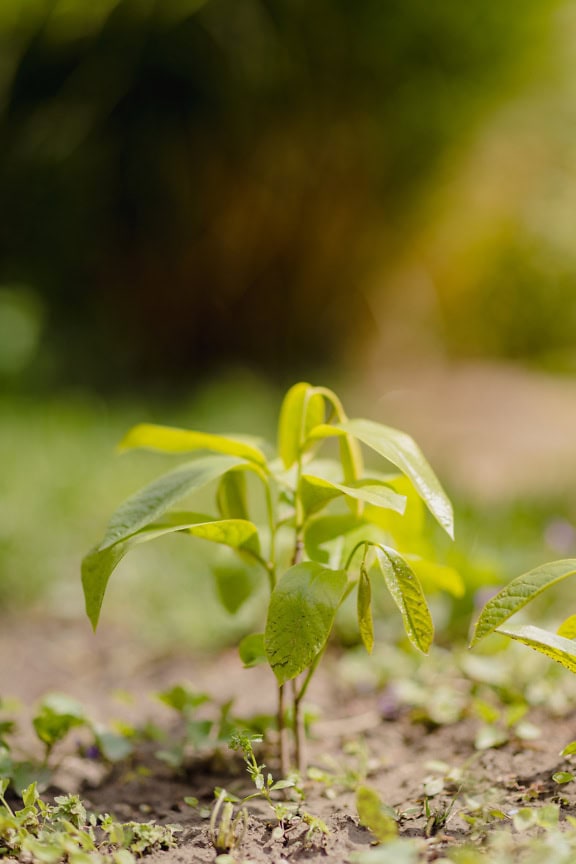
x: 329, y: 525
x: 287, y: 814
x: 559, y: 646
x: 63, y: 831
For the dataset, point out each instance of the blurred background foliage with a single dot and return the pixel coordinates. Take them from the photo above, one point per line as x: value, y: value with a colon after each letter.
x: 204, y: 200
x: 189, y: 185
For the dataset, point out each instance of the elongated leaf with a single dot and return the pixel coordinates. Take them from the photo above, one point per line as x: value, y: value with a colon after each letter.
x: 168, y: 439
x: 300, y: 617
x: 316, y: 493
x: 231, y: 496
x: 150, y: 503
x: 98, y: 565
x: 556, y: 647
x: 408, y: 596
x: 518, y: 593
x: 302, y: 409
x: 401, y: 450
x: 235, y: 583
x: 365, y: 621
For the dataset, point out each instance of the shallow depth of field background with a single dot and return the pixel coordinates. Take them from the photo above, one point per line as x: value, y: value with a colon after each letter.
x: 204, y: 201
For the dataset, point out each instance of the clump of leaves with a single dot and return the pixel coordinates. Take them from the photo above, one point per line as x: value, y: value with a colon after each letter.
x: 559, y: 646
x: 330, y: 526
x: 63, y: 831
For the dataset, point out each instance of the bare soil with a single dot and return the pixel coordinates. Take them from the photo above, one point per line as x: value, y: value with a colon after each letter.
x: 45, y: 655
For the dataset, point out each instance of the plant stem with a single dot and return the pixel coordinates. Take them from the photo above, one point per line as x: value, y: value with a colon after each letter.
x: 283, y: 734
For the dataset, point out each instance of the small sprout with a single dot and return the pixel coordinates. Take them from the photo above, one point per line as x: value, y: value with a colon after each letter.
x: 227, y: 831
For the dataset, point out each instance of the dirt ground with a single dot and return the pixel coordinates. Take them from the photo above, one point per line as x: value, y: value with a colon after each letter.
x: 401, y: 757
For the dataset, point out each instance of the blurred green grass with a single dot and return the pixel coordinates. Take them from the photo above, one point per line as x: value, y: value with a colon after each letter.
x: 61, y: 479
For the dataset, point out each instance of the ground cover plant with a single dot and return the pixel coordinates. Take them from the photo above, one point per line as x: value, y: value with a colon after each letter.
x: 313, y: 559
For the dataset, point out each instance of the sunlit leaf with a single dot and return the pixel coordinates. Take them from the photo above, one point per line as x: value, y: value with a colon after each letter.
x: 567, y: 628
x: 98, y: 566
x: 168, y: 439
x: 154, y: 500
x: 231, y: 495
x: 436, y: 577
x: 301, y: 410
x: 401, y: 450
x: 316, y: 492
x: 372, y: 814
x: 364, y: 608
x: 407, y: 593
x: 252, y: 651
x: 518, y: 593
x: 553, y: 646
x: 300, y: 617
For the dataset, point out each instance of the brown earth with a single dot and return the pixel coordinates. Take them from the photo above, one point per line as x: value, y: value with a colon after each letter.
x: 358, y: 734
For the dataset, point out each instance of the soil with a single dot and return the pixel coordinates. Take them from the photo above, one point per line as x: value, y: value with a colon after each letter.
x: 42, y: 655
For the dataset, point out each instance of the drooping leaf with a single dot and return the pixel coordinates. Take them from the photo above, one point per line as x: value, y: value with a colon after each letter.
x: 231, y: 495
x: 567, y: 628
x: 150, y: 503
x: 401, y: 450
x: 553, y: 646
x: 364, y: 607
x: 168, y: 439
x: 252, y: 651
x: 316, y: 492
x: 518, y: 593
x: 98, y: 565
x: 300, y: 617
x: 407, y: 593
x: 302, y: 409
x: 235, y: 583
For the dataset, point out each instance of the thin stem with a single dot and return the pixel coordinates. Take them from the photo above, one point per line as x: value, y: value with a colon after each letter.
x: 283, y: 734
x: 299, y: 730
x: 364, y: 543
x: 271, y: 567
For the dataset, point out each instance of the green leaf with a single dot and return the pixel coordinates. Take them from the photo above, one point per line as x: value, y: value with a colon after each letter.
x: 375, y: 816
x: 181, y: 698
x: 518, y: 593
x: 568, y: 628
x: 154, y: 500
x: 231, y: 495
x: 365, y: 621
x: 235, y: 583
x: 300, y: 617
x: 316, y: 492
x: 168, y: 439
x: 439, y: 577
x: 407, y: 593
x: 569, y: 750
x: 98, y: 566
x: 555, y: 647
x: 252, y: 651
x: 302, y: 409
x: 401, y: 450
x: 562, y: 777
x: 327, y: 529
